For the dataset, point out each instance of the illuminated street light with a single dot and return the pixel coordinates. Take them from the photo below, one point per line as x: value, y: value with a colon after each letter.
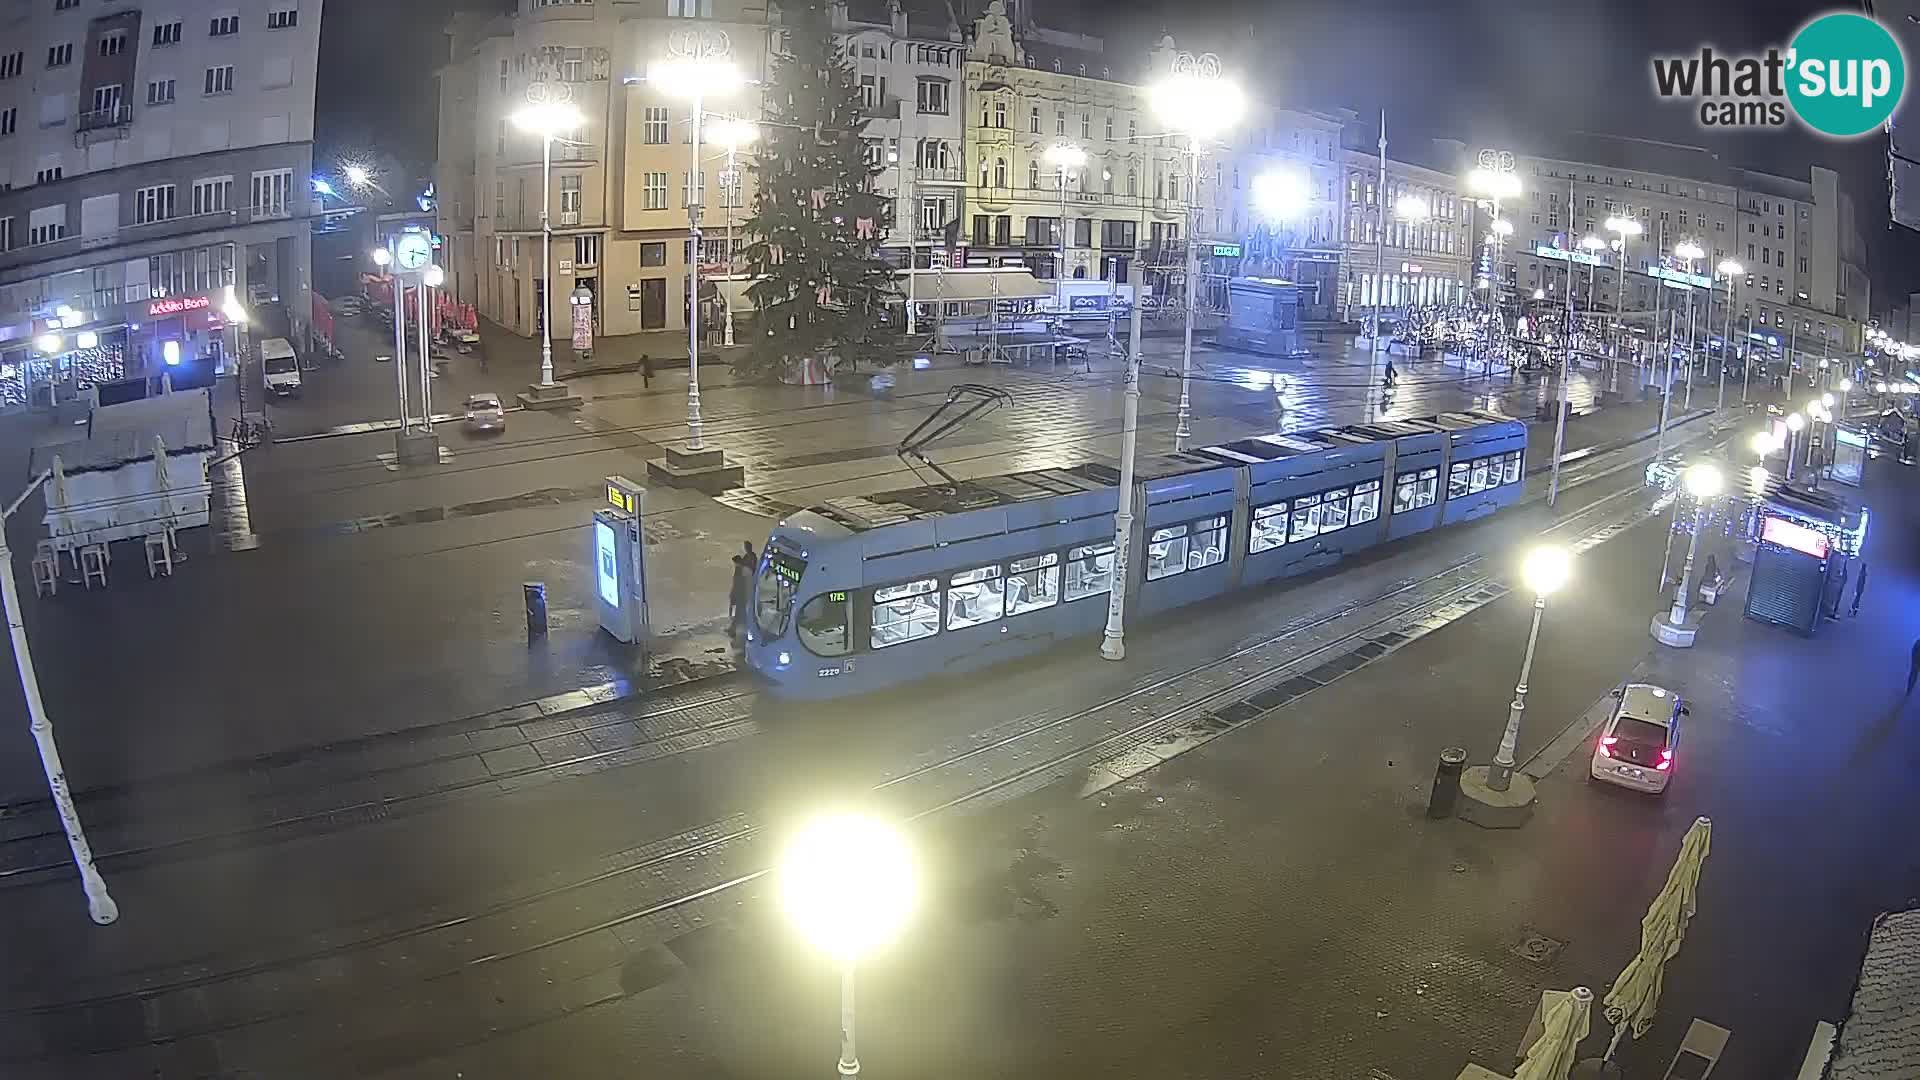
x: 434, y: 276
x: 1281, y: 195
x: 1502, y: 227
x: 1544, y: 570
x: 548, y: 119
x: 1732, y: 271
x: 49, y: 343
x: 1795, y: 421
x: 1763, y: 443
x: 358, y: 175
x: 381, y: 257
x: 734, y: 133
x: 848, y: 883
x: 86, y: 339
x: 1703, y: 481
x: 1539, y: 294
x: 1066, y: 160
x: 1197, y: 102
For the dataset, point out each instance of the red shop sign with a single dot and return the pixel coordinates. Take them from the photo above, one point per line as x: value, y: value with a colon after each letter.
x: 174, y: 305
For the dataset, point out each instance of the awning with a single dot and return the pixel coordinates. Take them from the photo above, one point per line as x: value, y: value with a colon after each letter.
x: 1001, y: 283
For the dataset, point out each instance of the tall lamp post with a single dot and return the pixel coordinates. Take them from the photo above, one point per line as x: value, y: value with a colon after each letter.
x: 1731, y: 270
x: 1494, y: 186
x: 547, y: 119
x: 1067, y: 158
x: 1195, y: 101
x: 1702, y: 481
x: 1407, y: 208
x: 1624, y: 229
x: 848, y: 884
x: 1544, y: 570
x: 1691, y: 252
x: 1592, y: 245
x: 1795, y: 422
x: 734, y: 133
x: 698, y: 66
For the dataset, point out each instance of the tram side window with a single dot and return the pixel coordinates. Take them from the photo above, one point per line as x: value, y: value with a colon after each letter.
x: 1512, y: 468
x: 1033, y: 583
x: 1406, y: 489
x: 975, y: 596
x: 1429, y: 487
x: 1306, y: 518
x: 823, y: 625
x: 1167, y: 551
x: 1269, y: 528
x: 773, y: 599
x: 1457, y: 478
x: 1333, y: 509
x: 905, y: 612
x: 1366, y: 502
x: 1209, y: 547
x: 1089, y: 571
x: 1479, y: 477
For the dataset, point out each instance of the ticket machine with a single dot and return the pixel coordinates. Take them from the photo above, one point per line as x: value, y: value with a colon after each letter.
x: 619, y: 554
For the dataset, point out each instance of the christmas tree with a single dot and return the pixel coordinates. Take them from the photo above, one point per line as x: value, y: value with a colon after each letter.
x: 821, y: 288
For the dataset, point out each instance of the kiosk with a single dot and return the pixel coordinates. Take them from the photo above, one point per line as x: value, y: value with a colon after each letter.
x: 619, y: 553
x: 1263, y: 316
x: 1805, y: 544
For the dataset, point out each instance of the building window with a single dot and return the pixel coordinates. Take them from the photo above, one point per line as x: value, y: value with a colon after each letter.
x: 1033, y: 174
x: 167, y: 33
x: 9, y: 122
x: 693, y: 187
x: 1059, y: 121
x: 223, y: 25
x: 1086, y: 125
x: 160, y: 92
x: 1109, y: 127
x: 506, y: 82
x: 1033, y: 120
x: 586, y: 249
x: 11, y: 65
x: 933, y: 96
x: 49, y: 173
x: 151, y: 204
x: 570, y: 193
x: 62, y: 5
x: 213, y: 195
x: 113, y: 44
x: 999, y: 172
x: 284, y: 19
x: 1000, y: 114
x: 6, y: 234
x: 1803, y: 258
x: 499, y: 199
x: 60, y: 55
x: 653, y: 254
x: 270, y: 190
x: 106, y: 99
x: 1133, y: 181
x: 219, y: 80
x: 654, y: 130
x: 51, y: 230
x: 654, y: 191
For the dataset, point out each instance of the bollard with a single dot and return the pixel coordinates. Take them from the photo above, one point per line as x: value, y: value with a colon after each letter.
x: 536, y: 593
x: 1446, y: 783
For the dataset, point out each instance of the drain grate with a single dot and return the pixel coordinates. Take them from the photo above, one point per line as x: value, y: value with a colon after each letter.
x: 1537, y: 947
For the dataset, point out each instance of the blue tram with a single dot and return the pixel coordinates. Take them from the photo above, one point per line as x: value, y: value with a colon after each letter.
x: 872, y: 591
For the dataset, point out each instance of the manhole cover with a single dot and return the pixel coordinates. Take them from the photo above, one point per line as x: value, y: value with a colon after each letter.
x: 1537, y: 947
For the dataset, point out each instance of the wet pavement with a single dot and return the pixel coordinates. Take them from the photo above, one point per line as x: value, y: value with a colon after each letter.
x: 553, y: 892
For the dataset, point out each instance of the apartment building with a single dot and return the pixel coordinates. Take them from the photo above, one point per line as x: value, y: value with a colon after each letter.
x: 1409, y: 244
x: 155, y: 166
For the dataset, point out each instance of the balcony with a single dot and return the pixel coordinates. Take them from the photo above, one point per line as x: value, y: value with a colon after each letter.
x: 926, y: 174
x: 108, y: 123
x: 886, y: 110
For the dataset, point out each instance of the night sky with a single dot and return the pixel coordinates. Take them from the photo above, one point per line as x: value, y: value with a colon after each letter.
x: 1486, y: 71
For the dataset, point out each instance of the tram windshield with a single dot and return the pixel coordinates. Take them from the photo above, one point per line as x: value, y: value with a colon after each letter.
x: 773, y: 594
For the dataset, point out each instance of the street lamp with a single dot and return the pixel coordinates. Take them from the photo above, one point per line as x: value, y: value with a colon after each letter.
x: 1067, y: 158
x: 699, y: 67
x: 1194, y: 100
x: 1691, y: 252
x: 1795, y: 423
x: 1731, y: 270
x: 358, y: 175
x: 848, y: 884
x: 1591, y: 244
x: 1625, y: 228
x: 1702, y: 481
x: 1493, y: 186
x: 1281, y: 195
x: 1544, y: 570
x: 546, y: 119
x: 1539, y: 294
x: 382, y: 257
x: 1846, y: 388
x: 734, y: 133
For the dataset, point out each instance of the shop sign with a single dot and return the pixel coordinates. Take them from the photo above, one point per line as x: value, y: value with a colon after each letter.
x: 1581, y: 257
x: 1798, y: 537
x: 1226, y: 251
x: 1666, y: 274
x: 176, y: 305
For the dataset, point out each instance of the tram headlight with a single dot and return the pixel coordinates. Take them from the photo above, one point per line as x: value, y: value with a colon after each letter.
x: 785, y: 659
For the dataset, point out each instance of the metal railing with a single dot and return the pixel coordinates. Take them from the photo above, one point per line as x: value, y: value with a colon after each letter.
x: 113, y: 116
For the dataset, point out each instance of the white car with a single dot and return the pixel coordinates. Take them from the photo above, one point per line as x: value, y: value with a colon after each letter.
x: 1639, y: 741
x: 484, y: 413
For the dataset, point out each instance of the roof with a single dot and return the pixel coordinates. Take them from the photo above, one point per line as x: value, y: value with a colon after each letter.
x: 124, y: 433
x: 1880, y: 1038
x: 1644, y: 701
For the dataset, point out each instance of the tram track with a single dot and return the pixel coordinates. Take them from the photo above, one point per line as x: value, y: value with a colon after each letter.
x: 931, y: 801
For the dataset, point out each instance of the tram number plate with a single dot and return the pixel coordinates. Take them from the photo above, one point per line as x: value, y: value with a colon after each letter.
x: 829, y: 672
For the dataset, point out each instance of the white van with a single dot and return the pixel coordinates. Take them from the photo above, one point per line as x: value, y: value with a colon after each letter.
x: 282, y: 366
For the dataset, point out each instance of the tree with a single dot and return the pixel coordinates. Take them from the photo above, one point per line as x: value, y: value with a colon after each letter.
x: 821, y: 288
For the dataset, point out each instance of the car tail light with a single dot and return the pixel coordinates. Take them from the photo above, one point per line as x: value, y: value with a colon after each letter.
x: 1666, y: 760
x: 1606, y: 742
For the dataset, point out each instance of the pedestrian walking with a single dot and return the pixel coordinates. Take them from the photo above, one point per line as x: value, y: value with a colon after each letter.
x: 737, y: 595
x: 1859, y: 586
x: 646, y: 371
x: 1913, y: 667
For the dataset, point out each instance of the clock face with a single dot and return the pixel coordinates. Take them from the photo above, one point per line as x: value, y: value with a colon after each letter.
x: 413, y: 251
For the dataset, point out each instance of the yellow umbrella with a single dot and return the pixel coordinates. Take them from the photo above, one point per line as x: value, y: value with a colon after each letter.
x: 1636, y: 993
x: 1551, y: 1055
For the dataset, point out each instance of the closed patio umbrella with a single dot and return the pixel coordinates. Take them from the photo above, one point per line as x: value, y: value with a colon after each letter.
x: 1551, y: 1055
x: 1636, y: 993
